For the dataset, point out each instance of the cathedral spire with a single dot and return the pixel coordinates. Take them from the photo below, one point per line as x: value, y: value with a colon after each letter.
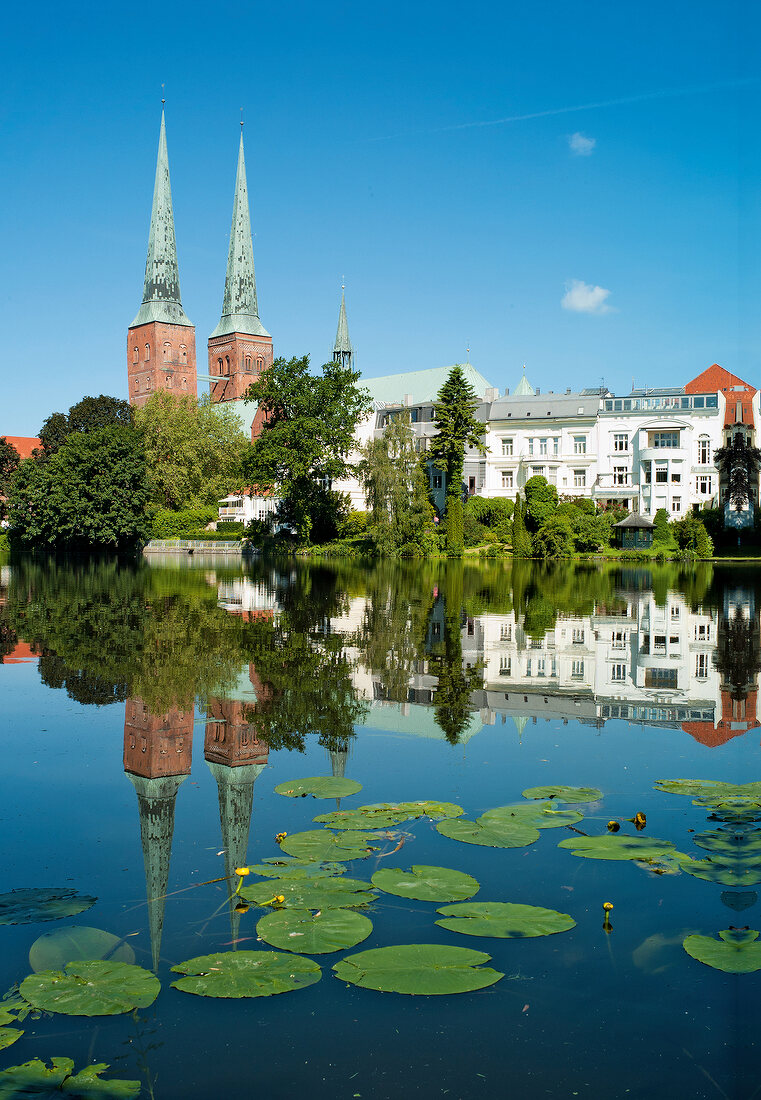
x: 343, y: 351
x: 161, y: 293
x: 240, y: 311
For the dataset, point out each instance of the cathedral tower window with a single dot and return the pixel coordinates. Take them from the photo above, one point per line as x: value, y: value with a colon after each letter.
x: 183, y: 354
x: 167, y: 351
x: 248, y: 363
x: 135, y: 355
x: 260, y: 364
x: 227, y: 365
x: 147, y: 352
x: 219, y: 365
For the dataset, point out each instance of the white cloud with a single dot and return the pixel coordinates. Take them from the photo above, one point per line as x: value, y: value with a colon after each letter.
x: 580, y: 145
x: 581, y: 297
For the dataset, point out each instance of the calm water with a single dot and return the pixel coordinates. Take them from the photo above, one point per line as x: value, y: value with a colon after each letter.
x: 148, y: 713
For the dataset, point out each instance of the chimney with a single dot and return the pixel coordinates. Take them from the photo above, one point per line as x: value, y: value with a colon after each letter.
x: 507, y: 392
x: 491, y: 394
x: 568, y: 390
x: 538, y: 391
x: 407, y: 400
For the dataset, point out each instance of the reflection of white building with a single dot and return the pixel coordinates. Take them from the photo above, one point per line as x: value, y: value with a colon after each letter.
x: 243, y: 596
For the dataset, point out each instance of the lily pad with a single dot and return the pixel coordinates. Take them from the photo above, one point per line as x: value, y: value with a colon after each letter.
x: 619, y: 846
x: 319, y: 786
x: 745, y: 899
x: 363, y: 818
x: 8, y: 1036
x: 245, y: 974
x: 736, y: 951
x: 321, y: 845
x: 314, y: 933
x: 504, y: 920
x: 426, y: 883
x: 36, y: 1079
x: 546, y: 816
x: 418, y: 969
x: 287, y: 867
x: 493, y: 834
x: 564, y: 794
x: 311, y: 893
x: 29, y: 906
x: 726, y: 871
x: 54, y: 949
x: 91, y: 989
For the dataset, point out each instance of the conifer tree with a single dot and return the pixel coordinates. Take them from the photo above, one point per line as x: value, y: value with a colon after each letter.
x: 522, y: 547
x: 457, y: 429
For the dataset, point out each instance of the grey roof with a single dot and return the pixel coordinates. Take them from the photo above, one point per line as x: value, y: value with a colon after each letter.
x: 545, y: 406
x: 343, y: 343
x: 602, y: 391
x: 636, y: 520
x: 161, y: 293
x: 240, y: 310
x: 654, y: 391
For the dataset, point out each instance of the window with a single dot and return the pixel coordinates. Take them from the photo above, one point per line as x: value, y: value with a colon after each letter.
x: 577, y: 637
x: 542, y: 446
x: 704, y: 485
x: 661, y: 472
x: 674, y: 613
x: 701, y: 666
x: 541, y: 666
x: 619, y: 475
x: 556, y: 446
x: 577, y: 670
x: 184, y: 383
x: 528, y: 667
x: 579, y: 479
x: 702, y: 633
x: 618, y: 639
x: 227, y: 365
x: 507, y: 479
x: 618, y: 672
x: 664, y: 439
x: 675, y: 477
x: 471, y: 485
x: 436, y: 480
x: 531, y: 446
x: 507, y: 448
x: 506, y: 632
x: 183, y: 354
x: 247, y: 364
x: 219, y: 366
x: 260, y: 364
x: 505, y: 665
x: 137, y: 383
x: 676, y: 504
x: 147, y: 352
x: 620, y: 441
x: 648, y: 472
x: 167, y: 351
x: 169, y: 381
x: 704, y: 451
x: 579, y: 444
x: 662, y: 678
x: 135, y: 355
x: 537, y: 471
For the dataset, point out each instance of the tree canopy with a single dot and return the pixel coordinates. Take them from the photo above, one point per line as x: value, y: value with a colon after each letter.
x: 9, y: 463
x: 88, y: 415
x: 308, y: 435
x: 194, y: 450
x: 457, y: 428
x: 396, y: 488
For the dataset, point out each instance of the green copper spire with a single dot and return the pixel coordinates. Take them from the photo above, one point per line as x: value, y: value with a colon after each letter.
x: 235, y: 787
x: 524, y: 387
x: 343, y: 350
x: 161, y: 294
x: 240, y: 311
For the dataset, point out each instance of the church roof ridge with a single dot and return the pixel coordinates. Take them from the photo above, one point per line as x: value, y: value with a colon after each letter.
x: 161, y: 290
x: 240, y: 308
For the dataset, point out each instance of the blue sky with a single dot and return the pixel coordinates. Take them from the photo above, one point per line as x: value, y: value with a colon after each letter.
x: 374, y: 153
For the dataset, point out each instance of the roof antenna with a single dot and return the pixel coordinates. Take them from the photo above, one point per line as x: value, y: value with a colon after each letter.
x: 163, y: 101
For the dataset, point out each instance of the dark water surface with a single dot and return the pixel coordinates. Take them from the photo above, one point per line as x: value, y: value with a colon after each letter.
x: 148, y: 713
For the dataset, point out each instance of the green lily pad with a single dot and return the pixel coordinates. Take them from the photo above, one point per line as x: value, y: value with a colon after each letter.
x: 245, y: 974
x: 504, y: 920
x: 32, y: 905
x: 545, y: 816
x: 737, y: 797
x: 361, y: 819
x: 564, y: 794
x: 91, y: 989
x: 37, y: 1080
x: 8, y: 1036
x: 730, y: 842
x: 311, y: 893
x: 426, y: 883
x: 736, y: 951
x: 418, y: 969
x: 319, y: 786
x: 494, y: 834
x: 286, y: 867
x: 314, y: 933
x: 321, y: 845
x: 54, y: 949
x: 726, y: 871
x: 619, y: 846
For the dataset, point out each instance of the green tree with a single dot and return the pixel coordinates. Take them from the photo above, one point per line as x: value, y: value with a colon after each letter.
x: 692, y: 537
x: 541, y: 502
x: 194, y: 450
x: 661, y: 521
x: 88, y: 415
x: 739, y: 464
x: 90, y: 493
x: 9, y: 463
x: 310, y: 421
x: 397, y: 491
x: 554, y: 539
x: 457, y: 428
x: 522, y: 544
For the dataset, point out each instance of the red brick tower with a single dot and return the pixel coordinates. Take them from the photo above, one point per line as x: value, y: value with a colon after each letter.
x: 161, y: 341
x: 240, y: 347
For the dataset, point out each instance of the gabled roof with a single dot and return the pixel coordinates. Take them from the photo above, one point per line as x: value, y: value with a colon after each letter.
x: 716, y: 379
x: 524, y: 387
x: 420, y: 385
x: 24, y: 444
x: 161, y: 292
x: 240, y: 310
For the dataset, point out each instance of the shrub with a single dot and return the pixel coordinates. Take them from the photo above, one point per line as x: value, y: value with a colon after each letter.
x: 661, y: 521
x: 354, y: 525
x: 541, y: 502
x: 554, y: 539
x: 183, y: 525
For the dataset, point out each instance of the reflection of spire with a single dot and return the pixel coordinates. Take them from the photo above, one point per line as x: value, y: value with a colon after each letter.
x: 338, y: 758
x: 155, y: 800
x: 236, y: 799
x: 520, y: 721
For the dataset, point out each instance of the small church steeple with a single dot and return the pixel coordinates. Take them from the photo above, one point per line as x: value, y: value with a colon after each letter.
x: 240, y: 347
x: 342, y: 351
x: 161, y: 341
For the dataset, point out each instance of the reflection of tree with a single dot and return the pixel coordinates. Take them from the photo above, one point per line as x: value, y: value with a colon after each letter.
x: 738, y: 463
x: 456, y: 682
x: 737, y: 654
